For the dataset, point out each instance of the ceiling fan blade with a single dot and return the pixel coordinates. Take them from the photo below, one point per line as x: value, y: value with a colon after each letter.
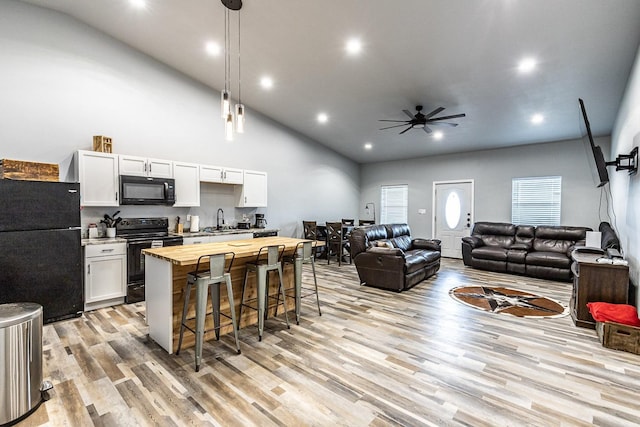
x: 455, y: 116
x: 426, y: 129
x: 434, y: 112
x: 408, y: 113
x: 397, y: 121
x: 406, y: 130
x: 444, y: 123
x: 394, y: 126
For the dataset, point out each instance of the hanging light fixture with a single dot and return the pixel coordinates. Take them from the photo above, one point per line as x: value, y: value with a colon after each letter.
x: 239, y: 106
x: 225, y: 95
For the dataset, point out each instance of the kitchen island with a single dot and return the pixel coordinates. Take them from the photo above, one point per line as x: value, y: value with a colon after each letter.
x: 166, y: 275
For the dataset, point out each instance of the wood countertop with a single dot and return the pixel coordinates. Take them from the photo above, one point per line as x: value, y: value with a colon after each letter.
x: 189, y: 254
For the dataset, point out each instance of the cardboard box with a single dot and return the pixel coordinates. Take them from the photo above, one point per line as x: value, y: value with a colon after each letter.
x: 102, y: 144
x: 619, y: 337
x: 29, y: 171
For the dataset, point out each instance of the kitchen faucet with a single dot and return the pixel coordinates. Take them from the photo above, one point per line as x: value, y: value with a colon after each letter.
x: 220, y: 211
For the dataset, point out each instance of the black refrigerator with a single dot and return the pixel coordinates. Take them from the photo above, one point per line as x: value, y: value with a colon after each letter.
x: 40, y: 246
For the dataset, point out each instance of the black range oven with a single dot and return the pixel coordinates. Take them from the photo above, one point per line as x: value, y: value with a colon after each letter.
x: 142, y: 233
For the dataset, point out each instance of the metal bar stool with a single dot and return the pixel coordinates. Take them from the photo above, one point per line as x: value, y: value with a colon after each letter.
x: 262, y: 267
x: 302, y: 255
x: 206, y: 280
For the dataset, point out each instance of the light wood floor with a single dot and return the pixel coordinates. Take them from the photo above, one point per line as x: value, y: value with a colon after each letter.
x: 374, y: 358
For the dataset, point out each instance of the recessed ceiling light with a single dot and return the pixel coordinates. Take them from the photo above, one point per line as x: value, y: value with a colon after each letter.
x: 138, y: 4
x: 213, y: 48
x: 536, y: 119
x: 368, y: 146
x: 527, y: 65
x: 354, y: 46
x: 266, y: 82
x: 438, y: 135
x: 323, y: 118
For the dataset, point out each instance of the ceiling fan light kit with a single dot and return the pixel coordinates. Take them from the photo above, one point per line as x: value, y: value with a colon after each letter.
x: 420, y: 120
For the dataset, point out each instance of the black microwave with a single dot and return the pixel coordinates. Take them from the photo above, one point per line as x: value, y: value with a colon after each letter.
x: 141, y: 190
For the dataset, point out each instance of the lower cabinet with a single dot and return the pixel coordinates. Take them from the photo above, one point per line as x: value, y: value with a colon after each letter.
x: 105, y: 275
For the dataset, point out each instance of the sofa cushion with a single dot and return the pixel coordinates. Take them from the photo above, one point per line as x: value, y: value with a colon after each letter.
x: 557, y: 238
x: 548, y: 259
x: 494, y: 253
x: 525, y: 235
x: 418, y: 259
x: 516, y: 255
x: 495, y: 233
x: 403, y: 242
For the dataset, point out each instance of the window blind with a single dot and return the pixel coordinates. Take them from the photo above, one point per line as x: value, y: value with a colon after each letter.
x: 536, y: 200
x: 394, y: 202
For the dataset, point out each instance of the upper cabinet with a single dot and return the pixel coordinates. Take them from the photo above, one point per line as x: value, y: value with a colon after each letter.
x: 97, y: 174
x: 142, y: 166
x: 221, y: 174
x: 253, y: 193
x: 187, y: 176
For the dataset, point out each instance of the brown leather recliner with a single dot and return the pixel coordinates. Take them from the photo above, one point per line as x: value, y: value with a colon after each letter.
x: 543, y: 251
x: 387, y: 257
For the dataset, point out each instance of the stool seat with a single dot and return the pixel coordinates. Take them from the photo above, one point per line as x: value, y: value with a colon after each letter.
x: 268, y: 259
x: 207, y: 281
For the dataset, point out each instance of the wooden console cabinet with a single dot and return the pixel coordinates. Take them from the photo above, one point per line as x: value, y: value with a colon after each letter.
x: 595, y: 282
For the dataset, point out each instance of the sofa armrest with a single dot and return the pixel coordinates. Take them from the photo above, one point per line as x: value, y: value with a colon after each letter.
x: 432, y: 244
x: 472, y: 241
x: 521, y: 246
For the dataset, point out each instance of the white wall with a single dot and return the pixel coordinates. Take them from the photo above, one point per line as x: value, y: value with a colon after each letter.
x: 61, y: 82
x: 492, y: 172
x: 625, y: 188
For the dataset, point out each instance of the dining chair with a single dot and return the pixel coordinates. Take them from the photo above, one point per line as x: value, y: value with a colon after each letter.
x: 337, y: 241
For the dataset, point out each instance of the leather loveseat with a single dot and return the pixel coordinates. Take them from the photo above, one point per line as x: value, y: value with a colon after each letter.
x: 387, y: 257
x: 543, y: 251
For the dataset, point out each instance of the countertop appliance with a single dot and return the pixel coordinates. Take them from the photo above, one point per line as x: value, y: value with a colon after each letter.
x: 142, y: 233
x: 40, y: 249
x: 244, y: 225
x: 141, y: 190
x: 260, y: 221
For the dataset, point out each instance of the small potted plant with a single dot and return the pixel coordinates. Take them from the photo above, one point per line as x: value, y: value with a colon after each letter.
x: 110, y: 222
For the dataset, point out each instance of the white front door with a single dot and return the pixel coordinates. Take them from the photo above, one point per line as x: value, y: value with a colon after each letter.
x: 453, y: 209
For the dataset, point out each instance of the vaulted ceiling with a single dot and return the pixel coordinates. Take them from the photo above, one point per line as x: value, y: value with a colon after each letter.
x: 458, y: 54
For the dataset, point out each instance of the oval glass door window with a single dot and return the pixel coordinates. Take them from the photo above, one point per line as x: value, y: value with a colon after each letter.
x: 452, y: 210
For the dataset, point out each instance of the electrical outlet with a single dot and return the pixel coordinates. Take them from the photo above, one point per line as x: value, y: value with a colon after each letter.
x: 188, y: 217
x: 422, y: 211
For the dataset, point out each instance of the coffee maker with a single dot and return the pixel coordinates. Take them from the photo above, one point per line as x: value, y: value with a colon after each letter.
x: 260, y: 221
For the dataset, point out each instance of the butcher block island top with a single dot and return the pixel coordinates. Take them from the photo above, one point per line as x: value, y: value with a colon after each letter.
x: 166, y: 275
x: 189, y: 254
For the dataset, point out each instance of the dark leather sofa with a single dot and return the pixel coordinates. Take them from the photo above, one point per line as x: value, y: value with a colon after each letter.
x: 543, y: 251
x: 404, y: 263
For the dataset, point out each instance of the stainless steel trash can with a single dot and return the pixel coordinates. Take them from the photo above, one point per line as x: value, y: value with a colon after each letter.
x: 20, y: 360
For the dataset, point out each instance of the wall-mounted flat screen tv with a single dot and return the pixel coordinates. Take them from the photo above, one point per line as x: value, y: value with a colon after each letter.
x: 597, y: 163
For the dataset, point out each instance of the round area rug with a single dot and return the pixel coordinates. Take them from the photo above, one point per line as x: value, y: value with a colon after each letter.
x: 508, y: 301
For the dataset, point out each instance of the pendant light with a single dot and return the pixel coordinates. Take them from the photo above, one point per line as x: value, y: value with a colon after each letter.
x: 225, y: 95
x: 239, y: 105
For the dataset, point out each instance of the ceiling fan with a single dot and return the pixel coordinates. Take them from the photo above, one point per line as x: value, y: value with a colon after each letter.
x: 420, y: 121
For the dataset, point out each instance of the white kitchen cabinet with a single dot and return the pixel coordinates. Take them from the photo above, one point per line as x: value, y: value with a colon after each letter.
x: 253, y: 192
x: 97, y: 174
x: 187, y: 176
x: 143, y: 166
x: 199, y: 240
x: 221, y: 174
x: 105, y: 270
